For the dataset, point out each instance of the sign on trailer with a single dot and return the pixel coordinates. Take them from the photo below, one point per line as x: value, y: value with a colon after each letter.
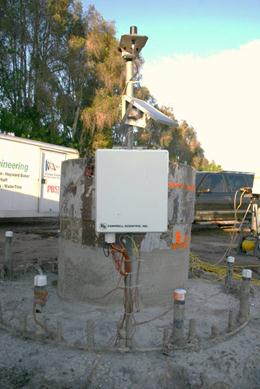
x: 30, y: 177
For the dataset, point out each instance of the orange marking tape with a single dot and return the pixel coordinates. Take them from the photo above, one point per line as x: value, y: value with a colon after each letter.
x: 178, y: 243
x: 178, y: 237
x: 180, y: 185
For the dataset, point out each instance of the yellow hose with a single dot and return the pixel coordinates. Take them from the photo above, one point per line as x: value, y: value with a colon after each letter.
x: 196, y: 264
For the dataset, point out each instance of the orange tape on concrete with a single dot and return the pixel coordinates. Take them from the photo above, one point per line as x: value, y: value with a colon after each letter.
x: 180, y: 185
x: 178, y: 243
x: 178, y: 237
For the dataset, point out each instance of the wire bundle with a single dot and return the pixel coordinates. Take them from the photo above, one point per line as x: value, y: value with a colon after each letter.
x: 198, y: 267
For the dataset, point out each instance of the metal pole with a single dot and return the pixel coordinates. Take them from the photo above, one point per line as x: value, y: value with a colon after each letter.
x: 129, y: 90
x: 130, y: 93
x: 230, y: 268
x: 129, y: 302
x: 129, y: 78
x: 128, y: 298
x: 8, y: 261
x: 254, y: 216
x: 178, y: 317
x: 129, y: 305
x: 244, y: 308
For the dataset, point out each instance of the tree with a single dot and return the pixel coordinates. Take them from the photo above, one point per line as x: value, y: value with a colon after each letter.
x: 210, y: 166
x: 107, y: 71
x: 62, y: 78
x: 38, y: 82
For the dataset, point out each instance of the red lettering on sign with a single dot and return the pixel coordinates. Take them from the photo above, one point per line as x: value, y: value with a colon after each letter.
x: 53, y: 188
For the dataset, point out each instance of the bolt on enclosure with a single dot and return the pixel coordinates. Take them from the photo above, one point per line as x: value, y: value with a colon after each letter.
x: 131, y: 190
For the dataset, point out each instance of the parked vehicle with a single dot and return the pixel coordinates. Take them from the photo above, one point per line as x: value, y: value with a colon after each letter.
x: 219, y: 194
x: 30, y: 177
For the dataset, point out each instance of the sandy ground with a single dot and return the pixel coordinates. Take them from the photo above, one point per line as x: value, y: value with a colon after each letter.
x: 223, y: 362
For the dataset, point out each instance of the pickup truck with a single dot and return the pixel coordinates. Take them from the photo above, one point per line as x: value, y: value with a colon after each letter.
x: 219, y: 193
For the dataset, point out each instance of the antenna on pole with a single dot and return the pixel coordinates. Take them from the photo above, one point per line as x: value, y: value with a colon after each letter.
x: 130, y: 46
x: 136, y: 112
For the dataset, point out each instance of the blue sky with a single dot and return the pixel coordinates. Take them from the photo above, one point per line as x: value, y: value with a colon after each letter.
x: 203, y: 60
x: 200, y: 27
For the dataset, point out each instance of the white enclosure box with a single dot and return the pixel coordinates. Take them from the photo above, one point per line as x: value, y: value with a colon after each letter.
x: 131, y: 190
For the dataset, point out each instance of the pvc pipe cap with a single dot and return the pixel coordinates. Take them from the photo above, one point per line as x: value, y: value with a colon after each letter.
x: 179, y: 294
x: 9, y: 234
x: 247, y: 273
x: 230, y: 259
x: 40, y: 280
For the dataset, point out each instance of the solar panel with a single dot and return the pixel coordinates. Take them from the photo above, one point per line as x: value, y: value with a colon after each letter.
x: 151, y: 112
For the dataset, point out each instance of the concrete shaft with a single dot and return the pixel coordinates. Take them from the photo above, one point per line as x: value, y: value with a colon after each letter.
x: 86, y: 274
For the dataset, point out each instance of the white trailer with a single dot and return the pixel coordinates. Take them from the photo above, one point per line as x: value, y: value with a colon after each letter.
x: 30, y: 177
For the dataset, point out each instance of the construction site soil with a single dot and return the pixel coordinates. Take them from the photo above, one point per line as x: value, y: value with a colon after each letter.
x: 68, y: 356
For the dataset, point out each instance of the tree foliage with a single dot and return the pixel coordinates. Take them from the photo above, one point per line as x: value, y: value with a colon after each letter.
x: 210, y: 166
x: 62, y: 79
x: 42, y: 62
x: 107, y: 69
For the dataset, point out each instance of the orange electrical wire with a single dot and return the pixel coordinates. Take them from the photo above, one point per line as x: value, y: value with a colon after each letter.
x: 123, y: 260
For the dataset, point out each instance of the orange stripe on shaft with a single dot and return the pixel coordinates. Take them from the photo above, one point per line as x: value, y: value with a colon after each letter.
x: 180, y: 185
